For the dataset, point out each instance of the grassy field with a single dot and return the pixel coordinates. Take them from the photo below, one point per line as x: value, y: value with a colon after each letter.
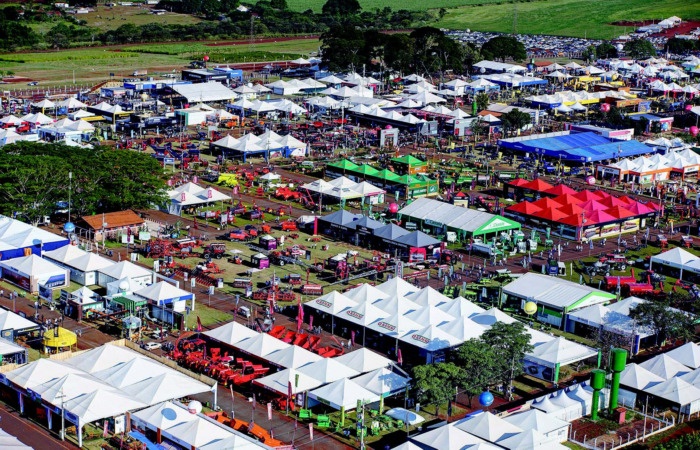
x: 93, y: 65
x: 564, y: 17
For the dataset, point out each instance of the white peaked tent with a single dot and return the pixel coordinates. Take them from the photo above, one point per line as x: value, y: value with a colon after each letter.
x: 382, y: 382
x: 231, y: 333
x: 460, y: 307
x: 554, y: 430
x: 71, y: 103
x: 545, y: 405
x: 428, y: 297
x: 570, y: 408
x: 491, y: 316
x: 280, y: 382
x: 396, y: 305
x: 261, y: 345
x: 333, y: 303
x: 463, y: 328
x: 37, y: 119
x: 44, y: 104
x: 365, y: 293
x: 163, y: 387
x: 680, y: 392
x: 430, y: 315
x: 430, y: 338
x: 39, y: 372
x: 292, y: 357
x: 581, y: 395
x: 162, y: 293
x: 68, y: 387
x: 665, y: 367
x: 395, y: 326
x: 363, y: 314
x: 636, y: 377
x: 11, y: 120
x: 131, y: 372
x: 560, y: 351
x: 100, y: 404
x: 9, y: 442
x: 363, y: 360
x: 328, y: 370
x: 426, y: 98
x: 488, y: 426
x: 397, y: 286
x: 687, y: 354
x: 447, y: 438
x: 343, y: 393
x: 12, y: 321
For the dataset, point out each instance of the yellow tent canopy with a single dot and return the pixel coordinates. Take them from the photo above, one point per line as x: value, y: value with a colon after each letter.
x: 64, y: 338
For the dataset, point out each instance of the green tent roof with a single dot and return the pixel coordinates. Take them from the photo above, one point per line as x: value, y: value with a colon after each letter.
x: 409, y: 180
x: 366, y: 169
x: 409, y: 160
x: 495, y: 225
x: 387, y: 175
x: 344, y: 165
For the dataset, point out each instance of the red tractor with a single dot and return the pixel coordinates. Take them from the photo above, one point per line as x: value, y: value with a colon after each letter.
x: 239, y: 235
x: 214, y: 250
x: 289, y: 225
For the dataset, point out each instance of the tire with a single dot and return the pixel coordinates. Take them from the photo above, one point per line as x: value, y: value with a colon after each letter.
x: 281, y: 262
x: 206, y: 256
x: 218, y: 256
x: 623, y: 266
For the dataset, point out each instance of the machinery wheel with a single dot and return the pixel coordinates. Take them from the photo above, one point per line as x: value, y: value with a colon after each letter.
x: 206, y: 256
x: 218, y: 256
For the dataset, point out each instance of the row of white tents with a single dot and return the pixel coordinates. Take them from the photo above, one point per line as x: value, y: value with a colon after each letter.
x: 430, y: 321
x: 684, y: 162
x: 192, y: 195
x: 673, y: 376
x: 343, y: 188
x: 679, y: 259
x: 338, y: 382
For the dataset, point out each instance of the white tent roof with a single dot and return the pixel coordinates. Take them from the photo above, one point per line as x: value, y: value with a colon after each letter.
x: 32, y: 265
x: 460, y: 306
x: 292, y: 357
x: 428, y: 297
x: 343, y: 393
x: 637, y: 377
x: 397, y: 286
x: 164, y: 415
x: 334, y: 302
x: 90, y: 262
x: 363, y: 360
x: 102, y: 358
x: 396, y: 305
x: 676, y: 257
x: 165, y: 386
x: 430, y: 315
x: 261, y: 345
x: 430, y: 338
x: 211, y: 91
x: 227, y: 141
x: 13, y: 120
x: 327, y: 370
x: 45, y: 103
x: 65, y: 254
x: 100, y: 404
x: 676, y: 390
x: 365, y: 293
x: 382, y: 382
x: 536, y: 420
x: 687, y: 354
x: 488, y: 427
x: 463, y: 328
x: 71, y: 103
x: 125, y: 269
x: 231, y: 333
x: 161, y: 291
x: 12, y: 321
x: 279, y: 382
x: 448, y: 437
x: 560, y: 351
x: 363, y: 314
x: 396, y: 326
x: 664, y: 366
x: 491, y: 316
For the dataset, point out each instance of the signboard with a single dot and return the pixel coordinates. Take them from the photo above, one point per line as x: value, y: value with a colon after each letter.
x: 389, y: 137
x: 144, y: 236
x: 428, y: 128
x: 55, y: 281
x: 127, y: 239
x: 538, y: 371
x: 16, y: 277
x: 45, y: 293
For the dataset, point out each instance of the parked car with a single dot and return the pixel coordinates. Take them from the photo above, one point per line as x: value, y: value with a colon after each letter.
x: 33, y: 83
x: 152, y: 345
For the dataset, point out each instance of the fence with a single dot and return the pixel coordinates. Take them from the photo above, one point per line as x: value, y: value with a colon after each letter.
x: 652, y: 425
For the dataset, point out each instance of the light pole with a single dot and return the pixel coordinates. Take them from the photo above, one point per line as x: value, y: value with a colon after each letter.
x: 62, y: 434
x: 70, y: 187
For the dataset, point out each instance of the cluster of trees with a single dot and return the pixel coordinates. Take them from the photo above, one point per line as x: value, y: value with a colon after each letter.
x: 684, y: 442
x: 640, y: 49
x: 682, y: 46
x: 494, y: 358
x: 224, y: 22
x: 425, y: 50
x: 34, y: 177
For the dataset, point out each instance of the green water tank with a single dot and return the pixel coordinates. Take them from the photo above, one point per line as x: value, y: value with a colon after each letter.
x: 597, y: 379
x: 619, y: 359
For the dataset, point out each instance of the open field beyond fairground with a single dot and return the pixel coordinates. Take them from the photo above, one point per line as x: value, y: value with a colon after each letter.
x: 93, y: 65
x: 561, y: 17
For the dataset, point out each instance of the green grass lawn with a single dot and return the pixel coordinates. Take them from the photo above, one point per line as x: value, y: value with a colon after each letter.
x: 93, y: 65
x: 563, y: 17
x: 208, y: 316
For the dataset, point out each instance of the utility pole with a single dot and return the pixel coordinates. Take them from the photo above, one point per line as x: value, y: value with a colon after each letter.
x: 62, y: 396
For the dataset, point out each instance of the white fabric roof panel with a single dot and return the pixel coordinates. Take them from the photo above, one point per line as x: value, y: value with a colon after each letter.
x: 363, y: 360
x: 552, y: 291
x: 212, y: 91
x: 343, y: 393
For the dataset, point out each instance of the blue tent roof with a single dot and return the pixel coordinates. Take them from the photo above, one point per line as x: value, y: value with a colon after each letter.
x: 581, y: 147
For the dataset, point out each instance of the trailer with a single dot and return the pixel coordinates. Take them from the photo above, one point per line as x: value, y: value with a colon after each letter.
x: 312, y: 289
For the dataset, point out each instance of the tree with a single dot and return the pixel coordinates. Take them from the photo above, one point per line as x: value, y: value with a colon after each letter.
x: 503, y: 47
x: 510, y: 342
x: 398, y: 52
x: 435, y: 383
x: 605, y: 50
x: 680, y: 46
x: 279, y: 4
x: 515, y: 120
x: 482, y: 101
x: 341, y: 7
x: 666, y: 321
x: 341, y: 46
x: 607, y: 340
x: 640, y: 49
x: 477, y: 361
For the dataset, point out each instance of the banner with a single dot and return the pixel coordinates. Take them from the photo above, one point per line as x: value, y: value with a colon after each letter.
x: 269, y: 411
x: 311, y: 431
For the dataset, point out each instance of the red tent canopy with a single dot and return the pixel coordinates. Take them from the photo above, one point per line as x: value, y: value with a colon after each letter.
x: 518, y: 182
x: 619, y: 212
x: 628, y: 200
x: 527, y: 208
x: 574, y: 219
x: 639, y: 208
x: 567, y: 199
x: 571, y: 209
x: 538, y: 185
x: 611, y: 201
x: 600, y: 216
x: 653, y: 205
x: 551, y: 214
x: 547, y: 203
x: 587, y: 195
x: 593, y: 205
x: 560, y: 189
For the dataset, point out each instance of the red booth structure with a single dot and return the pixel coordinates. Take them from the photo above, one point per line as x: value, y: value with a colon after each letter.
x: 584, y: 215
